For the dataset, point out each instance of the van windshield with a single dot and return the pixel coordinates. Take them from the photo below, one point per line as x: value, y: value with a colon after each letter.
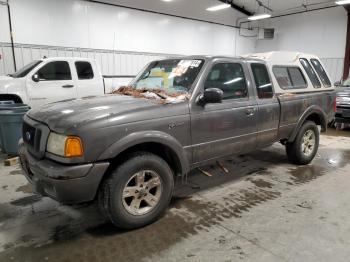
x: 173, y: 75
x: 25, y: 70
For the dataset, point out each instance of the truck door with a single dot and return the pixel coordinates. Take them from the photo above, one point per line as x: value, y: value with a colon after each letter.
x: 89, y: 80
x: 229, y: 127
x: 50, y: 83
x: 268, y: 111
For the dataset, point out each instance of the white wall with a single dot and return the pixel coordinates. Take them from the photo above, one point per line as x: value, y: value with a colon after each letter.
x: 322, y: 33
x: 122, y: 40
x: 68, y: 23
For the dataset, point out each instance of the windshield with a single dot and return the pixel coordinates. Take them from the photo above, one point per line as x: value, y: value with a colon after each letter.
x: 25, y: 70
x: 173, y: 75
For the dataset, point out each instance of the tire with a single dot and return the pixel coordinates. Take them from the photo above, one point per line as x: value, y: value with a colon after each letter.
x: 123, y: 191
x: 294, y: 150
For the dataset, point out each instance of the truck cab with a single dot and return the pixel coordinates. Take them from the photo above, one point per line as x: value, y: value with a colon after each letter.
x: 52, y: 79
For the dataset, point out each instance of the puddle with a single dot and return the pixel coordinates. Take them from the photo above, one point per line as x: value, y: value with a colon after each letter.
x: 16, y: 172
x: 28, y: 189
x: 338, y: 133
x: 259, y: 171
x: 261, y: 183
x: 304, y: 174
x: 5, y: 213
x: 104, y: 242
x: 25, y: 201
x: 330, y: 160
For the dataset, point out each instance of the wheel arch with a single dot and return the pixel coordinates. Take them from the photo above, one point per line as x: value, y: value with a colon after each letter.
x: 156, y: 142
x: 15, y: 98
x: 314, y: 114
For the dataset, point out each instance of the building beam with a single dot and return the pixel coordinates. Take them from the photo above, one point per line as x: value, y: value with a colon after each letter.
x: 238, y: 8
x: 347, y: 47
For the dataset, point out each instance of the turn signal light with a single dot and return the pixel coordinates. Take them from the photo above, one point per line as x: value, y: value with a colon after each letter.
x: 73, y: 147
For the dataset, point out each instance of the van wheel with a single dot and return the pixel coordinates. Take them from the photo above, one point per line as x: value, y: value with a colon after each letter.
x: 138, y: 191
x: 304, y: 148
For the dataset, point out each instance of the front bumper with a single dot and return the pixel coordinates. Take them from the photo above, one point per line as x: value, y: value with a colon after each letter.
x: 343, y: 114
x: 69, y: 184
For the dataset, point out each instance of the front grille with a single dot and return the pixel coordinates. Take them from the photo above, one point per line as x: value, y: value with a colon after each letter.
x: 28, y: 134
x: 35, y: 136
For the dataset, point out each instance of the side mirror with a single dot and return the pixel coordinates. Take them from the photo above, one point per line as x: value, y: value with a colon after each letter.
x: 211, y: 95
x: 35, y: 78
x: 337, y: 83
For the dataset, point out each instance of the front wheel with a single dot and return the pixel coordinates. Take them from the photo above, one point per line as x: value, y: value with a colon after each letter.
x: 304, y: 148
x: 138, y: 191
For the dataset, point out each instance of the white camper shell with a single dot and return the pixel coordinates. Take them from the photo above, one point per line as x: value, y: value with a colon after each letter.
x: 295, y: 72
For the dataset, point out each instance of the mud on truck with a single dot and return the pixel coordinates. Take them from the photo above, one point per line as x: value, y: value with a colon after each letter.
x: 126, y: 149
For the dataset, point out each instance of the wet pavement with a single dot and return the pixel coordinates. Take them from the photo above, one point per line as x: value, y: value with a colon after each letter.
x: 264, y: 209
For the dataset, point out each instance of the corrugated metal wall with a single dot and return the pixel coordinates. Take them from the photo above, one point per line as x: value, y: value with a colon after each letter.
x: 111, y: 62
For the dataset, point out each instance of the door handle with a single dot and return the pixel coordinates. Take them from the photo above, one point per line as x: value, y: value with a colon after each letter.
x: 250, y: 111
x: 68, y: 86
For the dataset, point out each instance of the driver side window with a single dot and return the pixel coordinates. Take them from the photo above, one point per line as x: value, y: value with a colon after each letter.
x: 58, y: 70
x: 229, y: 77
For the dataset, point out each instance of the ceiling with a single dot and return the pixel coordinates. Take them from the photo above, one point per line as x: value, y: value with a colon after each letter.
x: 196, y: 9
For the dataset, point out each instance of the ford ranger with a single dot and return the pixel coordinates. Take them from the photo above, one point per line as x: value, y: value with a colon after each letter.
x: 125, y: 149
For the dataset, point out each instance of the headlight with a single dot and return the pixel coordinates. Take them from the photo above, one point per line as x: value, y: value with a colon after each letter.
x: 66, y: 146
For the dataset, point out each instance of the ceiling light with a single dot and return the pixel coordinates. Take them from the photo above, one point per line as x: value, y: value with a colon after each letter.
x: 218, y: 7
x: 259, y: 17
x: 167, y: 0
x: 342, y: 2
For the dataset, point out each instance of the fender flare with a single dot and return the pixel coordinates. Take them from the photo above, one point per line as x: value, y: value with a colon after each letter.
x: 311, y: 110
x: 151, y: 136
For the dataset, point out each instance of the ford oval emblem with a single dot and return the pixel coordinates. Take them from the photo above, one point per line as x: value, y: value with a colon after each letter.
x: 28, y: 136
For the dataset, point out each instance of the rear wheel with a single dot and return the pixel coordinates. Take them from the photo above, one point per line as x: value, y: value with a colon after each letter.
x: 304, y: 148
x: 138, y: 191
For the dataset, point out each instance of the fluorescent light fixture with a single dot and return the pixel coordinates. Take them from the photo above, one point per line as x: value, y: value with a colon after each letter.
x: 167, y: 0
x: 342, y: 2
x: 218, y: 7
x: 259, y: 17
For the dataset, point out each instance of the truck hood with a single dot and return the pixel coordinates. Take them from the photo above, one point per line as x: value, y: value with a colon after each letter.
x: 10, y: 85
x: 65, y: 116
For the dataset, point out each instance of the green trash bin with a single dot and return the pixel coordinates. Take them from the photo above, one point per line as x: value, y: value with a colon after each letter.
x: 11, y: 128
x: 6, y: 102
x: 13, y: 107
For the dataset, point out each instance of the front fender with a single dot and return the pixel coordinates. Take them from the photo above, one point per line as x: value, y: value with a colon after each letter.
x: 146, y: 137
x: 314, y: 109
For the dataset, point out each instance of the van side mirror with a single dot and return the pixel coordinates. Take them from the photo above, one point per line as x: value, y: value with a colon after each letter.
x: 211, y: 95
x: 35, y: 78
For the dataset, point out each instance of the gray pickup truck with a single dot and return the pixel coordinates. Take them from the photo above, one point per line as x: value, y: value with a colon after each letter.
x: 125, y: 149
x: 342, y: 115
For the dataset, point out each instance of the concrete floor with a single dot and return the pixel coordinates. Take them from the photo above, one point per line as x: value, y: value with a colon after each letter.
x: 265, y: 209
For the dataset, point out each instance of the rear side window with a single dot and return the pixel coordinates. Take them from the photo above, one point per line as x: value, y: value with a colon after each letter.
x: 310, y: 72
x: 289, y: 77
x: 84, y: 70
x: 321, y: 72
x: 229, y: 77
x: 58, y: 70
x: 262, y: 81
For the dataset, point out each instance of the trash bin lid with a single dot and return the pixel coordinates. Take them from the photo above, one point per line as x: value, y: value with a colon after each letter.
x: 7, y: 102
x: 13, y: 107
